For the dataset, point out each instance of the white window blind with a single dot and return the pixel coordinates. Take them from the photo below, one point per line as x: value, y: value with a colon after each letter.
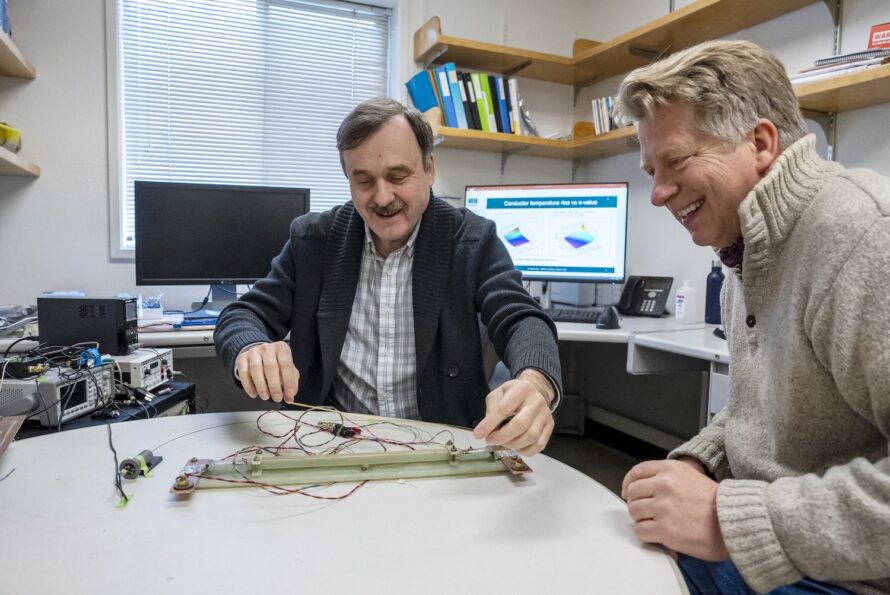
x: 243, y: 92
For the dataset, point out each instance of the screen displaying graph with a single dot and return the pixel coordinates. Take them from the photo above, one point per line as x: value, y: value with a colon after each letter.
x: 559, y: 232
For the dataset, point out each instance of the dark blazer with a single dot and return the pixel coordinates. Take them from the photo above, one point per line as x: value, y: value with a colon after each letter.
x: 461, y: 272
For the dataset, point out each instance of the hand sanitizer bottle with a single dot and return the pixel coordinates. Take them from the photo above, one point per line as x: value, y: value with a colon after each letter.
x: 685, y: 307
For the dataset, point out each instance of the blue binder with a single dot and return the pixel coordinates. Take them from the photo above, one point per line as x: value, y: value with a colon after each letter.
x: 447, y: 99
x: 423, y: 96
x: 502, y: 104
x: 456, y: 96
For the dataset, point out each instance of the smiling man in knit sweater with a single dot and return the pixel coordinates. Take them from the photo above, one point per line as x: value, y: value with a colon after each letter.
x: 789, y: 488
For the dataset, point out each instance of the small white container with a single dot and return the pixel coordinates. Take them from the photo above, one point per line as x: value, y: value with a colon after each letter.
x: 686, y: 304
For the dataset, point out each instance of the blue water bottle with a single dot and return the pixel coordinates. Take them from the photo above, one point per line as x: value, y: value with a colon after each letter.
x: 712, y: 295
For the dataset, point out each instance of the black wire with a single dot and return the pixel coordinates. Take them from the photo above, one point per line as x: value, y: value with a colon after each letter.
x: 117, y: 471
x: 231, y: 423
x: 199, y: 308
x: 10, y: 346
x: 8, y: 474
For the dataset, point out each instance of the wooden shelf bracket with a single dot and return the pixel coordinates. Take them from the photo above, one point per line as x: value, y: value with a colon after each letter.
x: 827, y: 121
x: 507, y: 154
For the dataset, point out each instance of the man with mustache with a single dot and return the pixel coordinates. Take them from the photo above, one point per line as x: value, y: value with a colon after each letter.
x: 788, y: 490
x: 382, y: 298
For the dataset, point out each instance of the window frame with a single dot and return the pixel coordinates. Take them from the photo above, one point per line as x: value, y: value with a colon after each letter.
x: 116, y: 195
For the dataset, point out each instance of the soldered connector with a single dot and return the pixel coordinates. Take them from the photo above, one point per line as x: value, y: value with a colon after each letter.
x: 339, y: 429
x: 22, y: 368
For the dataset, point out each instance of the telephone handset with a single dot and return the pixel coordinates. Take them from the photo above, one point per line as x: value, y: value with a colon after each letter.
x: 645, y: 296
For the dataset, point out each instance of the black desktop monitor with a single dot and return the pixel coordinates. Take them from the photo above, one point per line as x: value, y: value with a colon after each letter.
x: 196, y: 234
x: 559, y: 232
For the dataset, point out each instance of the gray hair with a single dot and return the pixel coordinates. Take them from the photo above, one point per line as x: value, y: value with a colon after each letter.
x: 729, y: 84
x: 369, y: 116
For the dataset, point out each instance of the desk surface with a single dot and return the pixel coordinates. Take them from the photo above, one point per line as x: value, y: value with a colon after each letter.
x: 574, y: 331
x: 555, y: 530
x: 568, y: 331
x: 699, y: 343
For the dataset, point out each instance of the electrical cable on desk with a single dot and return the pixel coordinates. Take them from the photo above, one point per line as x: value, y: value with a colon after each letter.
x: 420, y: 436
x: 340, y: 438
x: 365, y: 434
x: 19, y: 340
x: 3, y: 373
x: 79, y: 358
x: 198, y: 309
x: 117, y: 472
x: 57, y: 355
x: 130, y: 393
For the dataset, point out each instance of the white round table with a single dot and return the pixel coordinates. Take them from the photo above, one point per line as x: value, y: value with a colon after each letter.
x: 552, y: 531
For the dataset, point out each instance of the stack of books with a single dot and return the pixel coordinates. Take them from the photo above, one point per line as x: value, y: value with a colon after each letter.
x: 842, y: 64
x: 471, y: 100
x: 602, y: 115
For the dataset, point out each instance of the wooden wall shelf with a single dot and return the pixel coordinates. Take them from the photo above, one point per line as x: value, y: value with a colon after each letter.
x: 12, y: 61
x: 601, y: 145
x: 432, y: 47
x: 697, y: 22
x: 11, y: 164
x: 591, y: 60
x: 846, y: 92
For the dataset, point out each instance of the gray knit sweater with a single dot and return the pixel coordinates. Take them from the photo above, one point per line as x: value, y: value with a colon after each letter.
x: 801, y: 451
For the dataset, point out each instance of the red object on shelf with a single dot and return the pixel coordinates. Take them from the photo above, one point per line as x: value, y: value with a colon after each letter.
x: 879, y: 36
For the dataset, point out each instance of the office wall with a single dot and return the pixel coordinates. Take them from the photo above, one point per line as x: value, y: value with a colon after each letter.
x: 657, y: 243
x: 54, y: 229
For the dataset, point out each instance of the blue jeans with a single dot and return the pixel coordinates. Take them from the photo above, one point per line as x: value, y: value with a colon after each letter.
x: 723, y: 578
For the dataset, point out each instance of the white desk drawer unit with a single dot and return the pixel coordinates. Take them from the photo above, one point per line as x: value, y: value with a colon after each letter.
x: 718, y: 389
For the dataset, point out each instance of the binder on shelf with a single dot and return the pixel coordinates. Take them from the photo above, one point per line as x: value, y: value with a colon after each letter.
x: 515, y: 119
x: 465, y: 99
x: 495, y: 105
x: 488, y: 103
x: 502, y: 104
x: 435, y: 86
x: 422, y: 93
x: 472, y: 108
x: 602, y: 115
x: 456, y: 96
x: 509, y: 103
x: 445, y: 94
x: 482, y: 101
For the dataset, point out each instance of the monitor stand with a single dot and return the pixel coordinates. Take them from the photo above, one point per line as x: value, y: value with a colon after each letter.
x: 545, y: 302
x: 221, y: 295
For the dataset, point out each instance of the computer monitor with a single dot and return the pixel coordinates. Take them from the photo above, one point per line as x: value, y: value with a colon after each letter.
x: 196, y: 234
x: 559, y: 232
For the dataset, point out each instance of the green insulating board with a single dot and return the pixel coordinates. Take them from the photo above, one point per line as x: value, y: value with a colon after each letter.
x: 298, y: 470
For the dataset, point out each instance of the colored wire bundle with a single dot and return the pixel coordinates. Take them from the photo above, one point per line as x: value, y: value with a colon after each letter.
x: 317, y: 438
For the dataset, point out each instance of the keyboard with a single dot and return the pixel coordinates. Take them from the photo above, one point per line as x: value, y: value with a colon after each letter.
x: 587, y: 315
